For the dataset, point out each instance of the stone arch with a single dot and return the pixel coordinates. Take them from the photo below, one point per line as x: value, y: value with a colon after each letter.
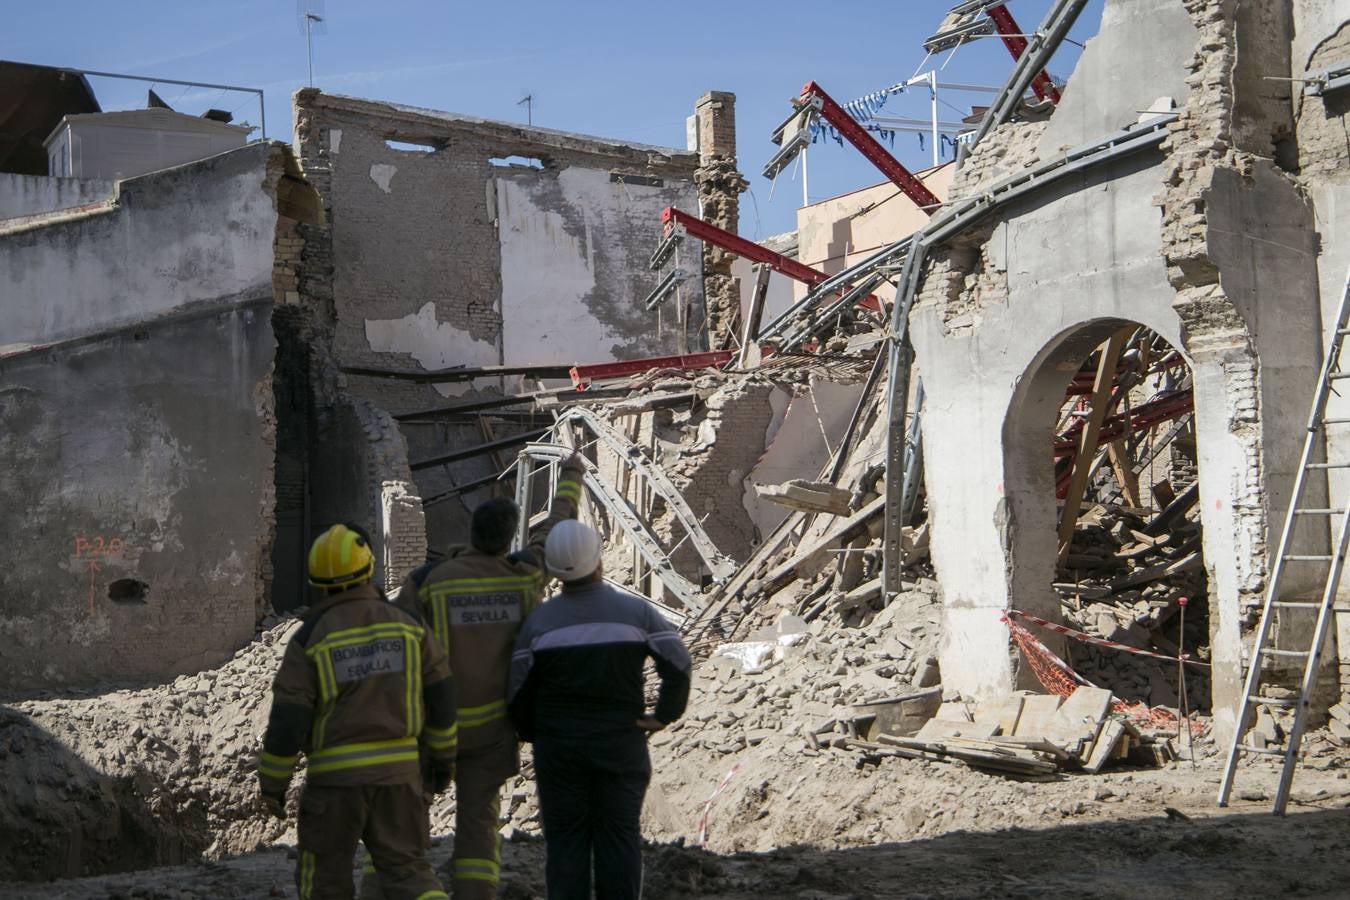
x: 1029, y: 429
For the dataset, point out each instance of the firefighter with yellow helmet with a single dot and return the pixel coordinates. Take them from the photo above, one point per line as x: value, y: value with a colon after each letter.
x: 363, y: 688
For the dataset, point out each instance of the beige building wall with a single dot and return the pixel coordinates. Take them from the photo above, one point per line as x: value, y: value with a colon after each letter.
x: 835, y: 233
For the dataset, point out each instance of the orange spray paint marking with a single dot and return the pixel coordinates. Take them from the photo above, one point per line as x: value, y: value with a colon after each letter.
x: 93, y: 567
x: 90, y: 550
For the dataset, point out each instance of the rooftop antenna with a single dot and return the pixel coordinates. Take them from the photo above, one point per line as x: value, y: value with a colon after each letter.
x: 309, y: 13
x: 528, y: 100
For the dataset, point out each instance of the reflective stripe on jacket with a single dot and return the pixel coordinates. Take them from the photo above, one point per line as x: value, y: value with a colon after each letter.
x: 361, y: 684
x: 475, y: 604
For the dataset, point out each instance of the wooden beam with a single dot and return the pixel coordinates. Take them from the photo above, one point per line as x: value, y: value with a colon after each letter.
x: 750, y: 352
x: 1087, y: 438
x: 1123, y: 465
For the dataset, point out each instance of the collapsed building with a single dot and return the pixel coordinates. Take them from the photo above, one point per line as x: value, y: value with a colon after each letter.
x: 1063, y: 380
x: 393, y: 242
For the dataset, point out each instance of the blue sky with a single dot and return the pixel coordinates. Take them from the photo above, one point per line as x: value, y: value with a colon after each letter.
x: 619, y: 70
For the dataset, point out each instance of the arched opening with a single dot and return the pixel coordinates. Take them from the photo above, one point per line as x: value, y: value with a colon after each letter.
x: 1132, y: 549
x: 1128, y: 566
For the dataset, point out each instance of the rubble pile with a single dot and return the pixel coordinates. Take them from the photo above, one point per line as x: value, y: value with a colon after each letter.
x: 133, y: 778
x: 1125, y: 580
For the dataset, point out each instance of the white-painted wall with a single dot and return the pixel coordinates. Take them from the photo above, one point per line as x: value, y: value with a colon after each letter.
x: 166, y: 255
x: 558, y: 302
x: 33, y: 195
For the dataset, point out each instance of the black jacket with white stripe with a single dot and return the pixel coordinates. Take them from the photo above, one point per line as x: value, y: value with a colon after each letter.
x: 577, y: 669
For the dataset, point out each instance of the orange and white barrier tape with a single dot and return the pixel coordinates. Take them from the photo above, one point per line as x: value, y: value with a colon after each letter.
x: 1100, y: 642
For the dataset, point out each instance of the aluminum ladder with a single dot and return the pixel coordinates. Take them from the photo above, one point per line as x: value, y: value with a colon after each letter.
x: 1261, y: 650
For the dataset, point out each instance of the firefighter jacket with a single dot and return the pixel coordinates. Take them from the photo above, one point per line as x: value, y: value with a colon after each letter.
x: 361, y: 684
x: 475, y: 603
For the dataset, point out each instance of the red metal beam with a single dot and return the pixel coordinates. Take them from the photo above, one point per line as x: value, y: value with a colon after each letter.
x: 869, y: 147
x: 1007, y: 28
x: 738, y: 245
x: 1142, y: 417
x: 583, y: 375
x: 718, y: 237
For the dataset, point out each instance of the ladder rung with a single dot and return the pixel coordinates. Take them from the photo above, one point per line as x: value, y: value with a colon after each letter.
x: 1329, y: 465
x: 1295, y: 604
x: 1303, y: 557
x: 1334, y: 422
x: 1271, y: 701
x: 1316, y: 511
x: 1337, y: 376
x: 1268, y: 751
x: 1271, y: 651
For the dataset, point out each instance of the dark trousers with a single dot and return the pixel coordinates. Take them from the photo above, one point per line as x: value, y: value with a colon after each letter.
x: 390, y: 818
x: 590, y: 799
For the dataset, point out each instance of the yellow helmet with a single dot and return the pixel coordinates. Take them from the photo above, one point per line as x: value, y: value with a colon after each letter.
x: 340, y: 558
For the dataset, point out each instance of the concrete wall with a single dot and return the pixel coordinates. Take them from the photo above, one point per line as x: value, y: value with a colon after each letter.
x: 808, y: 425
x: 560, y: 250
x: 137, y: 441
x: 1322, y: 38
x: 196, y: 234
x: 1147, y: 43
x: 32, y: 195
x: 1208, y: 244
x: 995, y: 378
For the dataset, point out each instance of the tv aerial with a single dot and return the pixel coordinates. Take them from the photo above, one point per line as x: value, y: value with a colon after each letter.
x: 311, y: 20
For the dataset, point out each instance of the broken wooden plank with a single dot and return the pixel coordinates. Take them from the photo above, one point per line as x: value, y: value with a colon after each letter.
x: 1079, y: 718
x: 1001, y: 712
x: 842, y: 532
x: 1038, y: 710
x: 979, y: 758
x: 934, y: 729
x: 1087, y: 437
x: 1175, y: 510
x: 1106, y: 745
x: 807, y: 496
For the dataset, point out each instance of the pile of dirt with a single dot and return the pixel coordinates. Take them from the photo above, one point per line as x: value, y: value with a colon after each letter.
x: 133, y: 778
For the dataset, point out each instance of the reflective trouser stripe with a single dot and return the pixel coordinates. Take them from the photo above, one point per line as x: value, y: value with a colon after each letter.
x: 367, y: 863
x: 306, y: 878
x: 477, y: 870
x: 432, y: 895
x: 278, y: 767
x: 476, y: 716
x: 441, y: 738
x: 355, y: 756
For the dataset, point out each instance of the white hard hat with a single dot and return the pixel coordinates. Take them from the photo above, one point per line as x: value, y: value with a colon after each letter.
x: 572, y: 550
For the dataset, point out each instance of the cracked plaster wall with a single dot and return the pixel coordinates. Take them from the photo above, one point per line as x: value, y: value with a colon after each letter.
x: 138, y: 443
x: 433, y: 258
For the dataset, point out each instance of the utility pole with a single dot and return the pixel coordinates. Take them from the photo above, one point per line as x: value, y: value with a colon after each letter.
x: 528, y: 100
x: 311, y: 19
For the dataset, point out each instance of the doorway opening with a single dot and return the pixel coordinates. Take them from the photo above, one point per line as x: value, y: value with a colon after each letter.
x: 1129, y: 566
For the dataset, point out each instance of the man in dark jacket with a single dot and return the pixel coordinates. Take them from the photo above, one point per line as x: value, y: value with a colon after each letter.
x: 576, y: 692
x: 361, y: 686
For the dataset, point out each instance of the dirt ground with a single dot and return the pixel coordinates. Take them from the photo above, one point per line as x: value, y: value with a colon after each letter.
x: 1118, y: 840
x: 147, y: 779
